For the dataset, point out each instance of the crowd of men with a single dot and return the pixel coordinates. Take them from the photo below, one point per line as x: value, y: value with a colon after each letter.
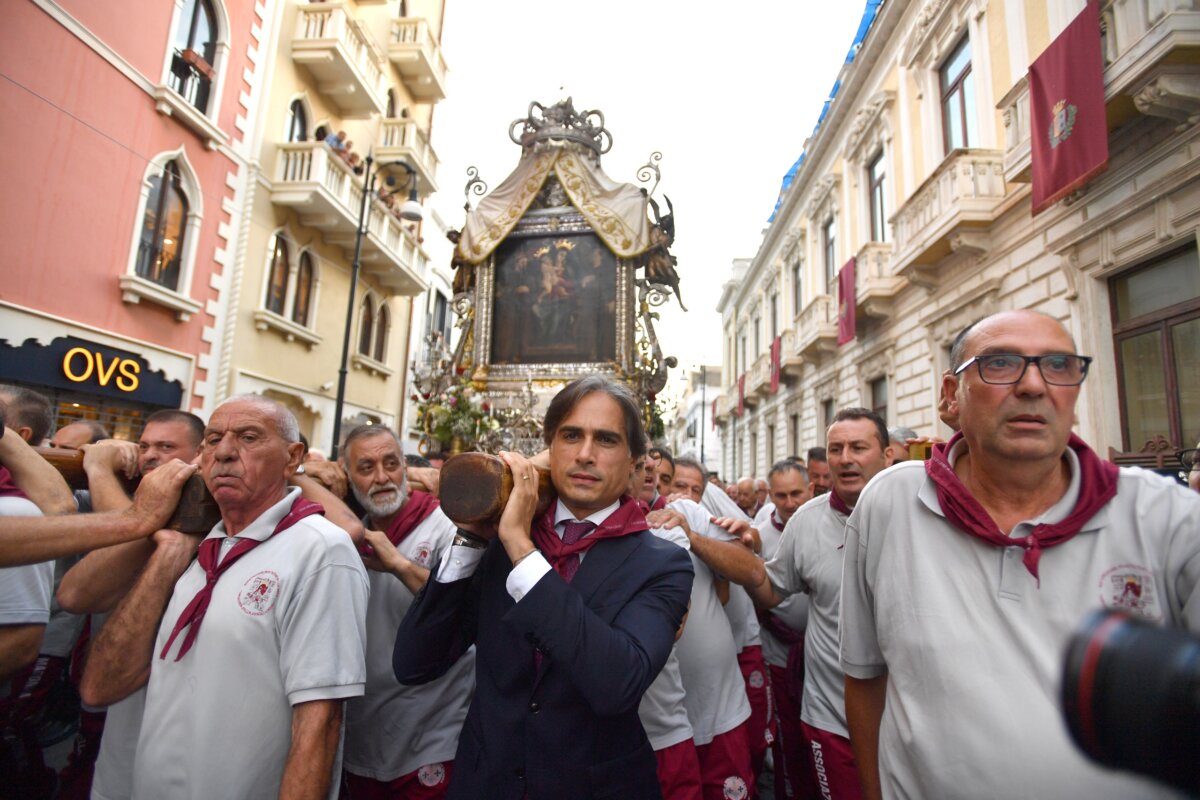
x: 870, y: 624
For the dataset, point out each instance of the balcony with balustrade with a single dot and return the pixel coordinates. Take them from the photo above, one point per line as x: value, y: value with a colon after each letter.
x: 415, y: 52
x: 817, y: 328
x: 949, y: 213
x: 726, y: 403
x: 403, y: 139
x: 875, y: 283
x: 758, y: 378
x: 340, y: 53
x: 791, y: 360
x: 327, y: 195
x: 1150, y: 67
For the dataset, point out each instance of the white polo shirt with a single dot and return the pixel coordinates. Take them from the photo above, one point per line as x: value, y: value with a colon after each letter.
x: 25, y: 592
x: 793, y: 611
x: 743, y: 620
x: 113, y: 775
x: 809, y: 561
x: 286, y: 625
x: 972, y: 646
x: 662, y: 711
x: 715, y: 691
x: 393, y: 730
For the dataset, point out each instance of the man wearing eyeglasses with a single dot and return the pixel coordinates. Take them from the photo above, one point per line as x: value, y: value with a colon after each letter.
x: 965, y: 575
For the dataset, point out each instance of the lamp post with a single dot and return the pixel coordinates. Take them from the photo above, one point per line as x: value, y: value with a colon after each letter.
x: 410, y: 210
x: 703, y: 401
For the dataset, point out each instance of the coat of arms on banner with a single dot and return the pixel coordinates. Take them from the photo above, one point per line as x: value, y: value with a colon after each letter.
x: 1062, y: 122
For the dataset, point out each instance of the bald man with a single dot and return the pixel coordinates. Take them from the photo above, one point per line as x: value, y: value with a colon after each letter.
x: 965, y: 575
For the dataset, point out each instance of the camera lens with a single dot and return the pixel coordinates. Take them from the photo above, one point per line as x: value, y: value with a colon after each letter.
x: 1131, y: 697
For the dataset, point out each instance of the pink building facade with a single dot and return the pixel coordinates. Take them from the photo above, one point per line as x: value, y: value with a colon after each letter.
x: 122, y: 182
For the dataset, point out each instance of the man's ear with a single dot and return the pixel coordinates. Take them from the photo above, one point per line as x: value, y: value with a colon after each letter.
x: 295, y: 456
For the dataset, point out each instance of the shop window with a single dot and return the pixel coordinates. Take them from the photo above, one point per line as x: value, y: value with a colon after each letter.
x: 164, y: 226
x: 876, y: 186
x: 829, y: 247
x: 383, y: 327
x: 959, y: 128
x: 1156, y: 335
x: 304, y: 289
x: 277, y: 282
x: 193, y: 62
x: 366, y: 326
x: 297, y: 122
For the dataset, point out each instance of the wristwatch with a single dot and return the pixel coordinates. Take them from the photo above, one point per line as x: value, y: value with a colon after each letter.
x: 467, y: 539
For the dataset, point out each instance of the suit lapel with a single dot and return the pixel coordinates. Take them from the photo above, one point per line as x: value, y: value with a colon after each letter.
x: 602, y: 561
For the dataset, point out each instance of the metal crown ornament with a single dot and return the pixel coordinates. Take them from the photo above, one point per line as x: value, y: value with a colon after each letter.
x: 561, y: 123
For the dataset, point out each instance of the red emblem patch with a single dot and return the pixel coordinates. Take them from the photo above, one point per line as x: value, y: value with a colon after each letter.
x: 258, y: 594
x: 1131, y: 588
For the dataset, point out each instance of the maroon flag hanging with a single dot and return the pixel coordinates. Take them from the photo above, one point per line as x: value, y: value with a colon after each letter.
x: 846, y: 303
x: 776, y: 348
x: 741, y: 394
x: 1066, y: 101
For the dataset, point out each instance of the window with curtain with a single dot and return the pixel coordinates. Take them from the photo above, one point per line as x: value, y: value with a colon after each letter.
x: 876, y: 182
x: 879, y: 397
x: 277, y: 281
x: 829, y: 244
x: 160, y: 246
x: 297, y: 122
x: 382, y: 330
x: 959, y: 128
x: 304, y: 286
x: 366, y: 328
x: 192, y: 69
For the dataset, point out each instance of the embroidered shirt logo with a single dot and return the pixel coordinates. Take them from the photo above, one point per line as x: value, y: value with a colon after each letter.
x: 1132, y: 588
x: 734, y: 788
x: 423, y: 554
x: 1062, y: 123
x: 756, y: 679
x: 431, y: 774
x: 258, y: 594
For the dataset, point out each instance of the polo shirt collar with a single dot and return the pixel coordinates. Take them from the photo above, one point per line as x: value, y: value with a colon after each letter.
x: 262, y: 527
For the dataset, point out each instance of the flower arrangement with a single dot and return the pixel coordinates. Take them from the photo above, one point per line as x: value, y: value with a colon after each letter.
x: 455, y: 412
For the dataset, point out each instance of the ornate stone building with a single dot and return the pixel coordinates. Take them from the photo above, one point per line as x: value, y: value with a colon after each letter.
x: 919, y: 169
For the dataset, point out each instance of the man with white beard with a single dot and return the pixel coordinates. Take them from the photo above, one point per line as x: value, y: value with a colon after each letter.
x: 400, y: 740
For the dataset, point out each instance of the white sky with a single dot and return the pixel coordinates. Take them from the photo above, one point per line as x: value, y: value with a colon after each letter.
x: 728, y: 97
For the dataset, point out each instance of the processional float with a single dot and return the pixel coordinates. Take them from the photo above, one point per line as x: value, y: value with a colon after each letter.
x: 558, y: 271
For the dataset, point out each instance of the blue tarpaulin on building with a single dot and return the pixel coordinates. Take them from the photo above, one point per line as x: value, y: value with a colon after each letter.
x: 864, y: 27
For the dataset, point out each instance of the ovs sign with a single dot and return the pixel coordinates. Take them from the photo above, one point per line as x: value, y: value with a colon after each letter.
x: 81, y: 364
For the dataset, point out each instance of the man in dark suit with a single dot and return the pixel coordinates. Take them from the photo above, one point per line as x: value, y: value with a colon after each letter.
x: 572, y: 614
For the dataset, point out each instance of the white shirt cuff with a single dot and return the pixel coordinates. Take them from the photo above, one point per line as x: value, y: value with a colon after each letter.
x: 459, y: 563
x: 524, y: 575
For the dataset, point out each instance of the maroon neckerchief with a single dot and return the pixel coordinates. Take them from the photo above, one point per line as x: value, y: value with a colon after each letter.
x: 627, y: 519
x: 8, y: 488
x: 210, y: 550
x: 838, y: 504
x: 1097, y: 485
x: 659, y: 502
x: 779, y: 526
x: 419, y: 506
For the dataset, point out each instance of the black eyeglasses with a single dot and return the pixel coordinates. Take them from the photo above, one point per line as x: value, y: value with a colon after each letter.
x: 1190, y: 459
x: 1058, y: 369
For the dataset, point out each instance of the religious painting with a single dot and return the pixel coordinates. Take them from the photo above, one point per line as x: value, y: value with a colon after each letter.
x: 554, y: 300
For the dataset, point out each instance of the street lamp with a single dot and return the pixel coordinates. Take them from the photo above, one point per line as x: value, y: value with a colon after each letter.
x: 410, y: 210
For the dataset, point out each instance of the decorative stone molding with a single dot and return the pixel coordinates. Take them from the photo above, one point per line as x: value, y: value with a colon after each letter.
x: 942, y: 323
x: 877, y: 362
x: 870, y: 128
x: 291, y: 331
x: 937, y: 28
x: 135, y: 288
x: 1173, y: 93
x: 823, y: 197
x: 375, y: 368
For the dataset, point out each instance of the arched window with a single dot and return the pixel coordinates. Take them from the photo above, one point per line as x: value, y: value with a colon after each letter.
x: 277, y: 283
x: 304, y: 281
x: 366, y: 328
x: 297, y: 122
x: 192, y: 70
x: 163, y: 226
x: 381, y: 333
